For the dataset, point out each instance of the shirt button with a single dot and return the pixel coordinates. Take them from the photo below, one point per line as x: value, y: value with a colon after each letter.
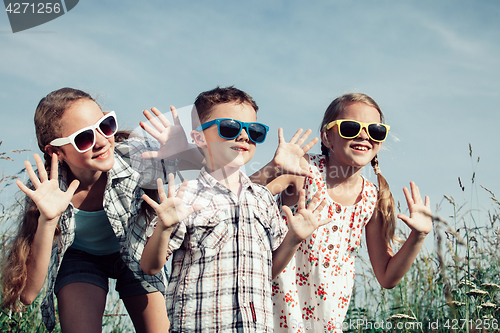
x: 243, y: 278
x: 338, y: 210
x: 326, y: 264
x: 244, y: 253
x: 335, y: 228
x: 330, y: 247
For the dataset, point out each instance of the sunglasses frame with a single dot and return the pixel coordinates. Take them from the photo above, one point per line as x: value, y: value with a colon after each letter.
x: 243, y: 125
x: 71, y: 139
x: 362, y: 125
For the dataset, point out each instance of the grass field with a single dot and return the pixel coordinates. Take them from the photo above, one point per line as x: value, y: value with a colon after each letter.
x: 454, y: 288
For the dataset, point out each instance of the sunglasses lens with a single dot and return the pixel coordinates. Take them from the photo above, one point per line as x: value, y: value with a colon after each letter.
x: 229, y: 129
x: 349, y: 129
x: 257, y: 132
x: 108, y: 126
x: 85, y: 140
x: 377, y: 132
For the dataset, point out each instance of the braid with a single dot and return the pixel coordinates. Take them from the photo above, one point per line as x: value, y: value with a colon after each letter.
x: 385, y: 205
x: 324, y: 150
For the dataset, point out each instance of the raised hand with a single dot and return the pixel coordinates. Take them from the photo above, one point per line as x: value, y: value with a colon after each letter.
x: 289, y: 156
x: 172, y: 138
x: 305, y: 221
x: 420, y: 219
x: 171, y: 209
x: 48, y: 197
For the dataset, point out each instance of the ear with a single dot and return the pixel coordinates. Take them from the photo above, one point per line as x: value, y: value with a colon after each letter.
x: 51, y: 150
x: 199, y: 139
x: 325, y: 138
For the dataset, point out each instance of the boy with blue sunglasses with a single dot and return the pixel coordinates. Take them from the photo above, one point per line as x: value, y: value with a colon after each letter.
x: 226, y: 253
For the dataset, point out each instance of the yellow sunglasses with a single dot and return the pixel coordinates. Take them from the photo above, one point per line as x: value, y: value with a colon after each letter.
x: 349, y: 129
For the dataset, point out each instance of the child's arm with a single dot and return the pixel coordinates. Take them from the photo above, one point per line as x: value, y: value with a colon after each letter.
x: 172, y: 139
x: 170, y: 212
x: 51, y: 202
x: 289, y: 162
x: 300, y: 227
x: 389, y: 268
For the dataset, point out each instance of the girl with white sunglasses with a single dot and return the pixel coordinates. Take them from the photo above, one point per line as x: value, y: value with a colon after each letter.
x: 314, y: 290
x: 85, y: 218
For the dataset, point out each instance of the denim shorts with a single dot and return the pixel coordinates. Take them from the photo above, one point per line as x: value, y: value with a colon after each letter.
x: 80, y: 266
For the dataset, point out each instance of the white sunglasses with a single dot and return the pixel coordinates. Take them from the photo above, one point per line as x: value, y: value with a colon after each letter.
x: 84, y: 139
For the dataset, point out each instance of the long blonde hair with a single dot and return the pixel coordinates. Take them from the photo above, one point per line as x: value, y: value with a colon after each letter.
x: 385, y: 202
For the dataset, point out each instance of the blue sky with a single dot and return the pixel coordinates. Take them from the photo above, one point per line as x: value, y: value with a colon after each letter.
x: 432, y: 66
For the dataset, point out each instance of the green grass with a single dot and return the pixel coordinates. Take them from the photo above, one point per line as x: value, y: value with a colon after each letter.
x: 455, y: 288
x: 452, y: 289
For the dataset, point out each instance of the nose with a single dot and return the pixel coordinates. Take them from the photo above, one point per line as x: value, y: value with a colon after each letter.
x: 243, y: 136
x: 100, y: 140
x: 364, y: 134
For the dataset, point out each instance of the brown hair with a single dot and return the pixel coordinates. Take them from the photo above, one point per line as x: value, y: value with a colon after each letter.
x: 47, y: 125
x: 208, y: 99
x: 48, y: 114
x: 385, y: 202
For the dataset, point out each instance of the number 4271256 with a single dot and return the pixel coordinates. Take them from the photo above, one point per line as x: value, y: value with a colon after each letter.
x: 27, y: 7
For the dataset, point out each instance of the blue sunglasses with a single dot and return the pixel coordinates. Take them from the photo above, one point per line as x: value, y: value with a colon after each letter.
x: 231, y: 128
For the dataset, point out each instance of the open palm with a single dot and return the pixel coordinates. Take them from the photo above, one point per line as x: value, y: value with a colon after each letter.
x: 289, y: 156
x: 47, y: 196
x: 305, y: 221
x: 165, y: 132
x: 171, y: 209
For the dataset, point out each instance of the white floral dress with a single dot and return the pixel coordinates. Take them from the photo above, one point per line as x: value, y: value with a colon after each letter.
x: 313, y: 291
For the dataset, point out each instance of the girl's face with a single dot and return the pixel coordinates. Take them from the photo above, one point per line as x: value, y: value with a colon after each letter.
x: 80, y: 114
x: 359, y: 151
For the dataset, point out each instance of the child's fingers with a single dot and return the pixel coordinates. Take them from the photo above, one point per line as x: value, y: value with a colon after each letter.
x: 153, y: 121
x: 303, y: 138
x: 54, y: 172
x: 31, y: 173
x: 196, y: 207
x: 154, y: 133
x: 24, y: 188
x: 42, y: 173
x: 175, y: 115
x: 281, y: 138
x: 427, y: 201
x: 297, y: 134
x: 314, y: 201
x: 161, y: 117
x: 161, y: 190
x: 404, y: 218
x: 182, y: 189
x: 150, y: 201
x: 415, y: 193
x: 320, y: 207
x: 73, y: 187
x: 309, y: 145
x: 409, y: 200
x: 302, y: 199
x: 171, y: 185
x: 288, y: 212
x: 323, y: 222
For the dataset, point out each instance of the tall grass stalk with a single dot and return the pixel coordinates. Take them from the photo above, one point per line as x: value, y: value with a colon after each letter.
x: 457, y: 283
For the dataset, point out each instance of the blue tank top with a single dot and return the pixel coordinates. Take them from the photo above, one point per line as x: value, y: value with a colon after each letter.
x: 93, y: 233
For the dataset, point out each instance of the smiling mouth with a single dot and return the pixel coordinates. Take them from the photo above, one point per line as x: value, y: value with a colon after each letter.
x: 103, y: 155
x: 360, y: 148
x: 239, y: 149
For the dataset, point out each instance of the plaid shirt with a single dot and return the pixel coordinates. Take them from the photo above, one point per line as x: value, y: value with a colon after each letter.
x: 122, y: 203
x: 221, y: 278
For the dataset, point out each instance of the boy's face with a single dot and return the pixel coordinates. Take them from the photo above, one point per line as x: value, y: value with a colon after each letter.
x: 221, y: 152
